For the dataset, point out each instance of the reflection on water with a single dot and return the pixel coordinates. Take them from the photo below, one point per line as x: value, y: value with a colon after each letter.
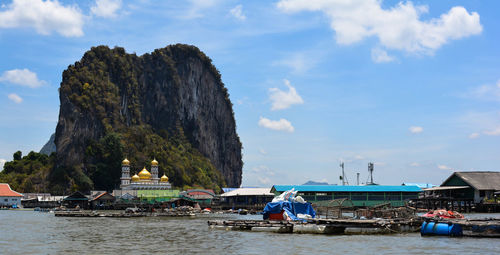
x: 28, y: 232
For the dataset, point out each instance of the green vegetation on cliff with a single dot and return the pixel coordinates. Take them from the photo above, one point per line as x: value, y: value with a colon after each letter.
x: 170, y: 105
x: 28, y: 173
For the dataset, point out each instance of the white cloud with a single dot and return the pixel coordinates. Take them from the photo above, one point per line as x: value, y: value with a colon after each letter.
x: 262, y: 151
x: 381, y: 56
x: 284, y: 99
x: 358, y: 157
x: 15, y: 98
x: 23, y: 77
x: 44, y: 16
x: 2, y: 163
x: 264, y: 180
x: 398, y: 27
x: 488, y: 92
x: 474, y: 135
x: 416, y: 129
x: 444, y: 167
x: 494, y: 132
x: 237, y: 12
x: 106, y: 8
x: 262, y: 169
x: 279, y: 125
x: 415, y: 164
x: 196, y: 9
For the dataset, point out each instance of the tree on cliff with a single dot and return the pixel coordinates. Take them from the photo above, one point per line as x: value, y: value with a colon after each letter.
x: 170, y: 105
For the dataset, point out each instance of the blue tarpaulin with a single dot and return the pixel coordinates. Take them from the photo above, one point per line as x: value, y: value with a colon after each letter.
x: 291, y: 208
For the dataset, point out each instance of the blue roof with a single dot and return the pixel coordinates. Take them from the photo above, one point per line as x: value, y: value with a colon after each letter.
x: 335, y: 188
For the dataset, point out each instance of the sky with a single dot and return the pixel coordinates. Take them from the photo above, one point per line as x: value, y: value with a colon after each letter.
x: 412, y: 86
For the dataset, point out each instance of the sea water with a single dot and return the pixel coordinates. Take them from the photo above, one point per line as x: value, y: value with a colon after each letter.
x: 29, y: 232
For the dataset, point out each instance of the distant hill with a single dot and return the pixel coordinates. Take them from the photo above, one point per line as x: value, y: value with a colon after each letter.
x: 315, y: 183
x: 50, y: 146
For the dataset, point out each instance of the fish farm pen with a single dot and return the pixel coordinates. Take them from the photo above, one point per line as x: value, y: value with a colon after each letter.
x: 470, y: 228
x: 121, y: 214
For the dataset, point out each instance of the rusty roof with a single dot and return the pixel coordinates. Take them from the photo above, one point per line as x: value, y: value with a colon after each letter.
x: 6, y: 191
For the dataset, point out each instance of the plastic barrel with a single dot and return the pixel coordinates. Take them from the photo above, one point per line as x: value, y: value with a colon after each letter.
x: 440, y: 229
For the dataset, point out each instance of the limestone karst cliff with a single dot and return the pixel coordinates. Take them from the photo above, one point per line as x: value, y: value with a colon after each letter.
x: 170, y: 104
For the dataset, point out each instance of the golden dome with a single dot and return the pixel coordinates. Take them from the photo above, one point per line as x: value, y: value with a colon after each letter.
x: 164, y: 178
x: 135, y: 178
x: 144, y: 174
x: 125, y: 162
x: 154, y: 162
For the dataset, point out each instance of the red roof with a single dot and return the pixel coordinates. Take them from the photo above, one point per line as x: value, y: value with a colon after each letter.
x: 5, y: 191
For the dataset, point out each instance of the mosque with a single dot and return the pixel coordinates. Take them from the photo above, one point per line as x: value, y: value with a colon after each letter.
x: 144, y: 180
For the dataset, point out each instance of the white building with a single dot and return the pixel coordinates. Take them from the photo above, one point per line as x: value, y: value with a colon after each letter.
x: 8, y: 197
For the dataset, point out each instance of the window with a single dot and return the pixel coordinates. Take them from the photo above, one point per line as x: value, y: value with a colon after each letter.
x: 6, y: 200
x: 393, y: 196
x: 308, y: 198
x: 407, y: 196
x: 323, y: 198
x: 376, y: 196
x: 358, y: 196
x: 338, y: 195
x: 481, y: 193
x: 320, y: 194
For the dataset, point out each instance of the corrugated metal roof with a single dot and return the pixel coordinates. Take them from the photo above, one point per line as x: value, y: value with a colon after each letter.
x: 249, y: 192
x: 446, y: 188
x: 336, y: 188
x: 420, y: 185
x: 480, y: 180
x: 225, y: 190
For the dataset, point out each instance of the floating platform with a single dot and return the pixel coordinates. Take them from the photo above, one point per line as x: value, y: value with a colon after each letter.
x: 469, y: 228
x: 121, y: 214
x: 473, y: 228
x: 322, y: 226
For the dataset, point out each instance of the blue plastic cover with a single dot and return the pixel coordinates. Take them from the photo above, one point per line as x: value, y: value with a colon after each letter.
x: 291, y: 208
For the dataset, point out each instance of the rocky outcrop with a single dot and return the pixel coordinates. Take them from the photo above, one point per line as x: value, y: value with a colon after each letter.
x: 50, y: 146
x: 171, y: 90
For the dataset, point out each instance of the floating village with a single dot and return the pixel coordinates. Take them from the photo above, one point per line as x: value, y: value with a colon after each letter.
x: 312, y: 209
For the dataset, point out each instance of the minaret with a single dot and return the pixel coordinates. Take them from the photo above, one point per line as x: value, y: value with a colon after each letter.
x: 154, y: 171
x: 125, y: 173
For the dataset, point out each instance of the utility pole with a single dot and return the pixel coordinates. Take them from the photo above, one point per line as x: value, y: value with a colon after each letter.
x: 358, y: 178
x: 342, y: 177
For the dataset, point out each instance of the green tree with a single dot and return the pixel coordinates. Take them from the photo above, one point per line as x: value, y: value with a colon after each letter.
x: 18, y: 155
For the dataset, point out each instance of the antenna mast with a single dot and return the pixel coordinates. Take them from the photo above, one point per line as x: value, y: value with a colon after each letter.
x: 370, y: 172
x: 342, y: 177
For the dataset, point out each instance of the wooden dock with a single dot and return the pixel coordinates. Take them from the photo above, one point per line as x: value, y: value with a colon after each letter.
x: 121, y: 214
x: 475, y: 228
x: 471, y: 228
x: 322, y: 226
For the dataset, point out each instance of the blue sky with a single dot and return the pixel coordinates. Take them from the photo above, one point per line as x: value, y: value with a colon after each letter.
x: 412, y: 86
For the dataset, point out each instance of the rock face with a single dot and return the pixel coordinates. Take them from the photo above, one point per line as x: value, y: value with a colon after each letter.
x: 173, y: 89
x: 50, y: 146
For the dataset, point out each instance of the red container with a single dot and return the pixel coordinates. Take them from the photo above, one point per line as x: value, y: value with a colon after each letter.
x: 276, y: 216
